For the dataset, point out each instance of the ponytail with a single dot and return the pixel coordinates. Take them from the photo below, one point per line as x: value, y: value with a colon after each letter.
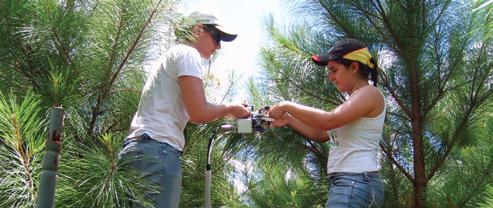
x: 373, y: 72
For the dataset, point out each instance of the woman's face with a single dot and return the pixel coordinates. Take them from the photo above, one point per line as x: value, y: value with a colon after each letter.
x: 207, y: 43
x: 341, y: 76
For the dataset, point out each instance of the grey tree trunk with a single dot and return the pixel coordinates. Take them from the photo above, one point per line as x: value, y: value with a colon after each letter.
x: 47, y: 185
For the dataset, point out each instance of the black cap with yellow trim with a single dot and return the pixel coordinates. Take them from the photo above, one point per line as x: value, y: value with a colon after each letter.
x: 350, y: 49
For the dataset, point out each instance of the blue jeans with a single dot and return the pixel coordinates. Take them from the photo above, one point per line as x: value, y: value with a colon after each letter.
x: 355, y: 190
x: 159, y: 166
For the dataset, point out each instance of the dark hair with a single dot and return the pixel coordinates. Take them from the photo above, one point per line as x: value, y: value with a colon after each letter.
x: 364, y: 70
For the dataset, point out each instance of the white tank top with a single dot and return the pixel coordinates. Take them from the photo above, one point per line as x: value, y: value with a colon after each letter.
x: 356, y: 148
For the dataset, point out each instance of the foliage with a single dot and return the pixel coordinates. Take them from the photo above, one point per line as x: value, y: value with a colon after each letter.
x: 464, y: 180
x: 92, y: 176
x: 22, y: 129
x: 489, y: 199
x: 281, y: 186
x: 88, y: 57
x: 194, y: 160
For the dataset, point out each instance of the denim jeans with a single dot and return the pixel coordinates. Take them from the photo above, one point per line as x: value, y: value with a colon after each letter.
x: 159, y: 166
x: 355, y: 190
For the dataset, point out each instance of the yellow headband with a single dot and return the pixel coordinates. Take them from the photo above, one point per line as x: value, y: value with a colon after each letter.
x: 362, y: 55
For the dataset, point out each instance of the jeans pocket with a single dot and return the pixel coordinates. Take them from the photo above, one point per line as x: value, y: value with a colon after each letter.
x: 377, y: 192
x: 340, y: 191
x: 137, y: 152
x: 129, y: 156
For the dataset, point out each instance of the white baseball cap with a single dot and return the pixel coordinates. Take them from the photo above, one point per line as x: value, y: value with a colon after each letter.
x: 209, y: 19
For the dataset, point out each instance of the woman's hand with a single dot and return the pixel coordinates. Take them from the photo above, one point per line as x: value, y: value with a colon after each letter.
x: 282, y: 121
x: 277, y: 111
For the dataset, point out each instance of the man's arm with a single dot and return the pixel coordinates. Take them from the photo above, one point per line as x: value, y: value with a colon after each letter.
x: 198, y: 108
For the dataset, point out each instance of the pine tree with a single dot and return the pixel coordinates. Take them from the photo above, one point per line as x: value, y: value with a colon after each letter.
x: 88, y: 57
x: 435, y: 61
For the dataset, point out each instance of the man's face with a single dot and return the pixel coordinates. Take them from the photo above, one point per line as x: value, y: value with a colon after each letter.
x: 209, y: 40
x: 215, y: 33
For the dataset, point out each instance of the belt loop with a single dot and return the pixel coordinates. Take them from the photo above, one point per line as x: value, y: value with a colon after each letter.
x: 365, y: 176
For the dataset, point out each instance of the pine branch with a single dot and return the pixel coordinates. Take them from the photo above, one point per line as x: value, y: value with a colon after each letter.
x: 475, y: 99
x: 306, y: 91
x: 229, y: 89
x: 335, y: 17
x: 396, y: 98
x: 476, y: 186
x: 312, y: 148
x: 303, y: 89
x: 96, y: 111
x: 31, y: 72
x: 368, y: 15
x: 386, y: 21
x: 136, y: 41
x: 390, y: 156
x: 442, y: 90
x: 441, y: 85
x: 448, y: 147
x: 22, y: 153
x: 106, y: 90
x: 400, y: 116
x: 438, y: 18
x: 69, y: 5
x: 64, y: 50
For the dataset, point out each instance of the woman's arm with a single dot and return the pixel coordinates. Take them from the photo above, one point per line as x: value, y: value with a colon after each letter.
x: 365, y: 103
x: 307, y: 131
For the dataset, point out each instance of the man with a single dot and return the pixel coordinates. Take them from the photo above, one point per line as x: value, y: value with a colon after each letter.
x: 172, y: 96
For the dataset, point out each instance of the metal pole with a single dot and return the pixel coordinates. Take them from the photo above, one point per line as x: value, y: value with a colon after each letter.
x: 208, y: 173
x: 208, y: 167
x: 47, y: 184
x: 208, y: 184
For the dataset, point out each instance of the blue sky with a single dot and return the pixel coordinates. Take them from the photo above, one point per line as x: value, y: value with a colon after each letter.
x: 247, y: 18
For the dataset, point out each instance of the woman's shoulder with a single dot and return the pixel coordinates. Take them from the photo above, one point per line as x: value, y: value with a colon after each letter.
x: 368, y: 91
x: 372, y: 98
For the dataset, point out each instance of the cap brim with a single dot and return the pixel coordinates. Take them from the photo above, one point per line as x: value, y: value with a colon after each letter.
x: 226, y: 35
x: 322, y: 60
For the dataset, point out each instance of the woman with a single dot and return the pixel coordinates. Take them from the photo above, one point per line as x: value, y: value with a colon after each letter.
x: 355, y: 126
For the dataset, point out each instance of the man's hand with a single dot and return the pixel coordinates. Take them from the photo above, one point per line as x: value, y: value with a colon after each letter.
x: 238, y: 110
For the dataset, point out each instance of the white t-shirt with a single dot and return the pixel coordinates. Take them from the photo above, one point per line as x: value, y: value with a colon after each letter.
x: 357, y: 146
x: 161, y: 113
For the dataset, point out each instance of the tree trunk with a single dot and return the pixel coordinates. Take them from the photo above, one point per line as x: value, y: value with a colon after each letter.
x: 419, y: 182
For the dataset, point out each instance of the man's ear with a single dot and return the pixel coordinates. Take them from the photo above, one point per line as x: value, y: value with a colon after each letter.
x: 197, y: 28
